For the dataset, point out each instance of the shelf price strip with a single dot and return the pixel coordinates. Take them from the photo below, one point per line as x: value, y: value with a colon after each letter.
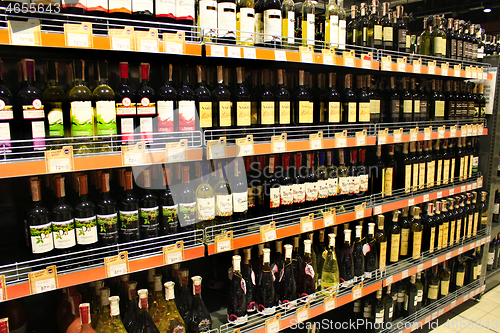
x: 60, y: 160
x: 224, y: 242
x: 173, y: 253
x: 134, y: 154
x: 117, y: 265
x: 42, y: 281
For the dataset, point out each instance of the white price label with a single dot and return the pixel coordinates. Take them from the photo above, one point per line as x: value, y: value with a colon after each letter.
x: 245, y: 150
x: 397, y: 137
x: 279, y: 147
x: 420, y: 268
x: 249, y: 53
x: 330, y: 305
x: 417, y: 69
x: 388, y: 280
x: 327, y: 60
x: 316, y: 144
x: 234, y: 52
x: 488, y: 239
x: 349, y: 62
x: 411, y: 202
x: 328, y: 221
x: 78, y: 40
x: 453, y: 132
x: 427, y: 319
x: 386, y: 66
x: 441, y: 134
x: 440, y: 312
x: 461, y: 250
x: 453, y: 303
x: 45, y: 285
x: 302, y: 316
x: 432, y: 70
x: 480, y: 182
x: 401, y: 67
x: 360, y: 214
x: 120, y: 44
x: 217, y: 51
x: 413, y: 136
x: 474, y: 132
x: 366, y: 64
x: 469, y: 131
x: 466, y: 298
x: 434, y: 262
x: 217, y: 152
x: 172, y: 258
x: 270, y: 235
x: 439, y: 194
x: 474, y: 186
x: 451, y: 191
x: 462, y: 188
x: 223, y: 246
x: 404, y: 274
x: 133, y: 158
x: 23, y: 37
x: 174, y: 48
x: 434, y: 315
x: 341, y: 143
x: 149, y: 45
x: 469, y: 187
x: 357, y: 293
x: 279, y: 55
x: 117, y: 270
x: 377, y: 210
x: 426, y: 197
x: 427, y: 136
x: 175, y: 155
x: 361, y: 140
x: 448, y: 256
x: 60, y: 165
x: 382, y: 140
x: 306, y: 57
x: 273, y: 328
x: 306, y: 227
x: 457, y: 72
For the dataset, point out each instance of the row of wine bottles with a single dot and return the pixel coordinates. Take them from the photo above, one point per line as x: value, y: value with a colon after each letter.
x: 136, y: 114
x: 493, y: 253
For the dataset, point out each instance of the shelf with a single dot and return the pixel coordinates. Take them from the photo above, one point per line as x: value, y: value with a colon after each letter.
x: 378, y: 279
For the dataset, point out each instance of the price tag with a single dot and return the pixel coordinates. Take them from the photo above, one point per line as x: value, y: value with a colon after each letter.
x: 441, y: 131
x: 469, y: 187
x: 388, y: 280
x: 25, y: 32
x: 411, y: 202
x: 302, y: 313
x: 348, y: 58
x: 278, y: 143
x: 440, y: 312
x: 60, y: 160
x: 488, y: 239
x: 330, y: 302
x: 431, y: 67
x: 427, y: 133
x: 217, y: 51
x: 404, y: 274
x: 224, y: 242
x: 466, y: 297
x: 280, y: 55
x: 122, y: 39
x: 316, y: 140
x: 417, y: 66
x: 457, y: 70
x: 174, y: 43
x: 234, y: 52
x: 357, y: 291
x: 469, y: 130
x: 147, y: 41
x: 414, y: 134
x: 398, y: 135
x: 451, y: 191
x: 434, y: 262
x: 480, y: 182
x: 426, y: 197
x: 307, y: 223
x: 133, y: 154
x: 3, y: 289
x: 448, y: 256
x: 366, y: 60
x: 387, y: 63
x: 468, y: 72
x: 173, y: 253
x: 444, y: 68
x: 382, y: 136
x: 360, y: 210
x: 462, y: 188
x: 427, y: 319
x: 42, y: 281
x: 480, y: 129
x: 328, y: 56
x: 474, y: 130
x: 330, y: 217
x: 420, y: 267
x: 474, y: 186
x: 453, y: 303
x: 439, y: 194
x: 116, y: 265
x: 361, y: 138
x: 453, y: 131
x: 268, y: 232
x: 249, y: 53
x: 377, y: 210
x: 341, y: 139
x: 78, y: 35
x: 217, y: 148
x: 177, y: 151
x: 402, y: 64
x: 460, y: 250
x: 245, y: 146
x: 306, y: 54
x: 463, y: 131
x: 273, y: 325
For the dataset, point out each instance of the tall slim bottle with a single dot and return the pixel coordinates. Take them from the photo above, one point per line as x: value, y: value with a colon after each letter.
x: 308, y: 23
x: 266, y: 294
x: 272, y: 23
x: 85, y: 217
x: 236, y: 309
x: 126, y: 110
x: 166, y: 104
x: 287, y: 287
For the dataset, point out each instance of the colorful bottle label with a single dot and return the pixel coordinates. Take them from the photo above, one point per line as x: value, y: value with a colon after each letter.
x: 108, y: 226
x: 126, y: 107
x: 129, y: 222
x: 146, y: 128
x: 224, y: 204
x: 240, y: 202
x: 106, y: 117
x: 311, y: 191
x: 149, y: 219
x: 127, y: 129
x: 41, y: 238
x: 244, y: 113
x: 274, y: 197
x: 165, y: 116
x: 205, y: 208
x: 86, y: 230
x: 146, y: 107
x: 187, y: 116
x: 225, y: 118
x: 64, y: 234
x: 299, y: 193
x: 55, y: 120
x: 187, y: 213
x: 82, y: 119
x: 286, y: 195
x: 170, y: 215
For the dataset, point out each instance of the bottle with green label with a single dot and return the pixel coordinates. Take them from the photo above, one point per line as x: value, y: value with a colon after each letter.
x: 104, y: 106
x: 85, y: 217
x: 129, y: 212
x: 63, y: 223
x: 149, y: 211
x: 53, y: 98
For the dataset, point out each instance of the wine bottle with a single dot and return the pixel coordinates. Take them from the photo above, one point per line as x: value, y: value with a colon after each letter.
x: 430, y: 229
x: 103, y: 99
x: 430, y: 165
x: 241, y: 99
x: 146, y: 106
x: 272, y: 22
x: 266, y: 294
x: 249, y: 276
x: 29, y: 102
x: 145, y: 322
x: 205, y: 200
x: 103, y: 311
x: 286, y: 185
x: 388, y: 174
x: 332, y: 180
x: 53, y: 98
x: 85, y: 217
x: 416, y: 233
x: 388, y: 301
x: 187, y: 202
x: 346, y: 260
x: 343, y: 176
x: 330, y: 275
x: 236, y: 306
x: 308, y: 23
x: 302, y: 114
x: 288, y: 23
x: 222, y: 102
x: 168, y: 207
x: 129, y: 212
x: 370, y: 252
x: 379, y: 308
x: 405, y: 226
x: 311, y: 181
x: 131, y: 315
x: 299, y: 191
x: 166, y: 104
x: 364, y: 28
x: 149, y: 210
x: 433, y: 286
x: 7, y: 115
x: 125, y: 106
x: 444, y: 277
x: 353, y: 27
x: 63, y: 223
x: 381, y: 246
x: 199, y: 317
x: 354, y: 180
x: 157, y: 309
x: 306, y: 282
x: 171, y: 320
x: 358, y: 257
x: 223, y: 197
x: 38, y: 222
x: 272, y: 188
x: 226, y: 21
x: 287, y: 290
x: 349, y: 104
x: 483, y: 210
x: 107, y: 217
x: 395, y: 234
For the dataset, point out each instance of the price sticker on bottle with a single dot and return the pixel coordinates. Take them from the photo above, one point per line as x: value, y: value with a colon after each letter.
x: 3, y: 289
x: 361, y: 138
x: 366, y: 60
x: 402, y: 64
x: 302, y: 313
x: 42, y: 281
x: 174, y: 43
x: 116, y: 265
x: 330, y: 302
x: 60, y: 160
x: 428, y: 133
x: 122, y: 39
x: 330, y: 217
x: 359, y: 211
x: 341, y: 139
x: 316, y: 140
x: 441, y: 131
x: 457, y: 69
x: 176, y: 151
x: 273, y: 325
x: 417, y: 66
x: 134, y: 154
x: 382, y: 136
x: 78, y: 35
x: 307, y: 223
x: 224, y: 242
x: 357, y: 291
x: 414, y: 134
x: 444, y: 68
x: 398, y: 135
x: 328, y: 56
x: 173, y: 253
x: 278, y: 143
x: 431, y: 67
x: 268, y: 232
x: 244, y: 146
x: 216, y: 148
x: 386, y: 63
x: 306, y: 54
x: 25, y: 32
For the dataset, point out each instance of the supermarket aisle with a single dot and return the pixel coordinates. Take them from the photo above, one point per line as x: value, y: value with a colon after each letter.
x: 485, y: 313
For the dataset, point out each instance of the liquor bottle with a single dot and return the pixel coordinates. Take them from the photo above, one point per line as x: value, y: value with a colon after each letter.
x: 266, y: 294
x: 242, y: 101
x: 330, y: 272
x: 381, y: 239
x: 272, y: 22
x: 415, y: 166
x: 168, y: 207
x: 53, y: 98
x: 205, y: 200
x: 287, y: 288
x: 405, y: 226
x: 411, y: 296
x: 226, y: 21
x: 393, y: 100
x: 433, y: 286
x: 249, y: 277
x: 85, y: 217
x: 146, y: 106
x: 236, y: 309
x: 374, y: 97
x: 388, y: 174
x: 430, y: 164
x: 259, y: 22
x: 353, y: 27
x: 116, y: 323
x: 307, y: 272
x: 186, y: 103
x: 187, y: 202
x: 166, y: 104
x: 346, y: 266
x: 332, y: 25
x: 407, y: 170
x: 387, y: 36
x: 379, y: 308
x: 308, y: 23
x: 158, y: 305
x: 125, y: 106
x: 444, y: 278
x: 343, y: 176
x: 302, y: 114
x: 363, y: 100
x: 425, y: 39
x: 342, y: 25
x: 267, y: 113
x: 365, y: 30
x: 38, y: 222
x: 416, y: 233
x: 358, y: 257
x: 129, y: 212
x: 370, y: 252
x: 376, y: 23
x: 349, y: 104
x: 145, y: 322
x: 63, y: 223
x: 107, y: 216
x: 288, y: 23
x: 171, y: 320
x: 389, y: 305
x: 474, y: 213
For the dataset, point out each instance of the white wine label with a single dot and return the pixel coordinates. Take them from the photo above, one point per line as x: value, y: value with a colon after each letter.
x: 334, y: 30
x: 311, y: 191
x: 342, y: 34
x: 41, y: 238
x: 343, y: 185
x: 274, y: 197
x: 207, y: 14
x: 286, y: 194
x: 332, y: 186
x: 289, y: 27
x: 272, y: 24
x: 184, y: 10
x: 240, y: 202
x: 299, y: 193
x: 205, y: 208
x: 187, y: 115
x: 323, y: 191
x: 226, y: 18
x: 106, y: 117
x: 146, y: 128
x: 86, y: 230
x: 165, y: 8
x: 142, y: 6
x: 246, y: 18
x: 82, y: 119
x: 64, y: 234
x: 224, y: 205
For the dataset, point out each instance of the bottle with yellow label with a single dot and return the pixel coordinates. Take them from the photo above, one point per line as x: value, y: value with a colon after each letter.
x: 395, y: 234
x: 416, y: 234
x: 405, y: 226
x: 221, y: 106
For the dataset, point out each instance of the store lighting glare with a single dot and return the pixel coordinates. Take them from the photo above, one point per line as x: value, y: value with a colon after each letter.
x: 487, y: 10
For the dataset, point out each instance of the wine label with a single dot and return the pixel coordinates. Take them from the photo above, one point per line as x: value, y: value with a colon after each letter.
x: 395, y: 241
x: 225, y: 114
x: 417, y: 244
x: 284, y: 112
x: 224, y: 204
x: 252, y: 197
x: 460, y: 279
x: 5, y: 137
x: 187, y: 115
x: 86, y: 230
x: 446, y: 172
x: 439, y: 172
x: 165, y: 116
x: 421, y: 176
x: 452, y: 232
x: 461, y: 170
x: 149, y: 220
x: 226, y: 19
x: 260, y: 195
x: 383, y: 255
x: 187, y: 213
x: 129, y: 223
x: 459, y: 230
x: 64, y: 234
x: 433, y: 291
x: 388, y: 181
x: 405, y: 235
x: 332, y: 186
x: 416, y: 106
x: 286, y: 195
x: 126, y: 107
x: 54, y: 119
x: 82, y: 119
x: 387, y: 35
x: 165, y: 8
x: 272, y: 24
x: 309, y: 29
x: 374, y: 107
x: 408, y: 178
x: 303, y: 112
x: 41, y: 238
x: 415, y: 178
x: 344, y: 186
x: 169, y: 214
x: 351, y: 112
x: 364, y: 112
x: 244, y: 112
x: 142, y: 6
x: 355, y: 184
x: 299, y: 193
x: 446, y: 230
x: 323, y: 191
x: 127, y: 129
x: 432, y: 240
x: 496, y: 208
x: 466, y: 167
x: 274, y: 197
x: 476, y: 221
x: 205, y: 208
x: 311, y: 191
x: 267, y: 112
x: 245, y: 18
x: 146, y: 128
x: 184, y: 10
x: 491, y: 258
x: 108, y: 226
x: 430, y: 173
x: 440, y: 237
x: 38, y: 134
x: 205, y: 114
x: 207, y: 14
x: 106, y: 117
x: 470, y: 222
x: 240, y: 202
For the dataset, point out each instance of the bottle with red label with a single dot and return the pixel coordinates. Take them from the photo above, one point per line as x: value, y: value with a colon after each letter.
x: 186, y: 104
x: 167, y: 98
x: 6, y: 115
x: 146, y: 106
x: 125, y: 106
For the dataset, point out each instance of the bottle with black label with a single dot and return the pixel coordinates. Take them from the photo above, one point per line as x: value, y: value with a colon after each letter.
x: 107, y: 215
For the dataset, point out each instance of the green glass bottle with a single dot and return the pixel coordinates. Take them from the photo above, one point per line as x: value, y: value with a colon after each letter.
x: 205, y: 200
x: 104, y: 106
x: 115, y: 322
x: 53, y: 98
x: 330, y: 272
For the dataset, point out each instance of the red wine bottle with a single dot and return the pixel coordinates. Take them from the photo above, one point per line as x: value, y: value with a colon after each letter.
x: 346, y: 263
x: 38, y: 222
x: 249, y: 276
x: 144, y: 323
x: 286, y: 188
x: 125, y: 106
x: 168, y: 207
x: 266, y: 295
x: 85, y: 217
x: 6, y: 114
x: 186, y: 104
x: 357, y: 252
x: 146, y: 106
x: 184, y: 298
x: 107, y: 216
x: 167, y: 98
x: 129, y: 212
x: 299, y: 191
x: 199, y: 318
x: 236, y: 306
x: 149, y: 210
x: 306, y: 283
x: 63, y: 223
x: 272, y: 188
x: 287, y: 292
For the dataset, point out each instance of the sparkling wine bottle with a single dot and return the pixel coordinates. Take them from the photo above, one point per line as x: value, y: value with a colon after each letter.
x: 115, y: 323
x: 287, y: 292
x: 104, y: 313
x: 144, y: 323
x: 266, y: 295
x: 171, y: 321
x: 158, y: 307
x: 330, y: 274
x: 199, y: 317
x: 184, y: 298
x: 236, y: 306
x: 86, y: 327
x: 131, y: 315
